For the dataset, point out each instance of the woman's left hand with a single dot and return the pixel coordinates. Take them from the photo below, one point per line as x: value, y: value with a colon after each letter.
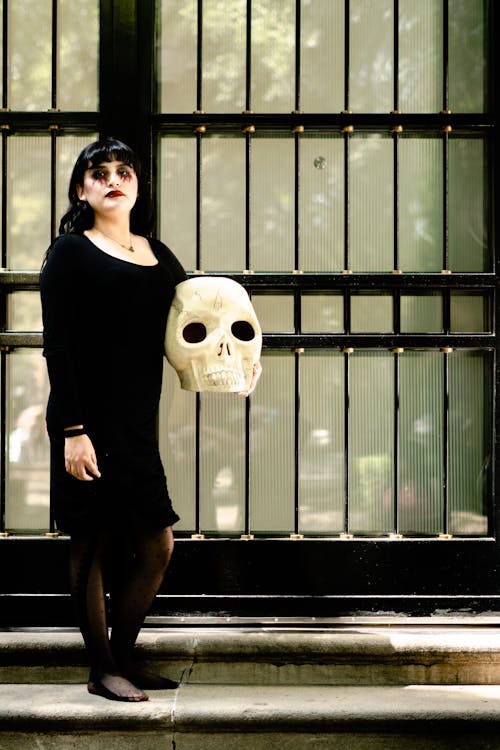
x: 256, y: 373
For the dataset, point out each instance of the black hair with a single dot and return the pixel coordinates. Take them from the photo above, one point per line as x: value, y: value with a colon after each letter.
x: 80, y: 216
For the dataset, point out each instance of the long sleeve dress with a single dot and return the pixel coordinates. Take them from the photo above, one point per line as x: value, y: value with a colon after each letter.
x: 104, y: 323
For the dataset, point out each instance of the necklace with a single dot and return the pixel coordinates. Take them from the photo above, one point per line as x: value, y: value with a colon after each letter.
x: 129, y: 247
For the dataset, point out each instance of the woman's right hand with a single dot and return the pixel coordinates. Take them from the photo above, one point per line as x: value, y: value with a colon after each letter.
x: 80, y: 459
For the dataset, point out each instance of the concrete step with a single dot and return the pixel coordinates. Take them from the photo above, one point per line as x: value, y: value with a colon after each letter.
x: 258, y: 717
x: 347, y: 655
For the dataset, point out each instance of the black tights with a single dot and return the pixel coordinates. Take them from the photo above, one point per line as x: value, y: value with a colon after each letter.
x: 134, y: 576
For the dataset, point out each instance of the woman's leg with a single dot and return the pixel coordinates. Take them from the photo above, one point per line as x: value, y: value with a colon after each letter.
x: 88, y: 591
x: 132, y: 600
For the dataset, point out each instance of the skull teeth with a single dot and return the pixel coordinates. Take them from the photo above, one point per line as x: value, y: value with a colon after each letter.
x: 222, y: 377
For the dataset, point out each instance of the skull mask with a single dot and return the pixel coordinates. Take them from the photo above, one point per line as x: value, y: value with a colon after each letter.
x: 213, y: 337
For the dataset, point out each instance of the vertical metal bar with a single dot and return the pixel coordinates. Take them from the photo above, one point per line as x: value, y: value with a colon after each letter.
x: 4, y: 129
x: 347, y: 40
x: 248, y: 186
x: 296, y: 259
x: 347, y: 260
x: 396, y: 130
x: 248, y: 71
x: 248, y: 519
x: 347, y: 354
x: 3, y: 433
x: 199, y: 59
x: 445, y: 521
x: 446, y: 131
x: 298, y: 52
x: 197, y: 522
x: 199, y: 132
x: 296, y: 514
x: 53, y: 179
x: 396, y: 57
x: 5, y: 54
x: 446, y: 55
x: 396, y: 479
x: 55, y: 42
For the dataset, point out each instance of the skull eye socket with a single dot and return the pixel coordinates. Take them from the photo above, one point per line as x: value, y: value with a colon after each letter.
x: 194, y: 333
x: 243, y: 330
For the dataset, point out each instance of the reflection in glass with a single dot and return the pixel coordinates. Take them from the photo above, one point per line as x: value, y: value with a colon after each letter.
x: 420, y: 55
x: 371, y: 313
x: 420, y: 204
x: 272, y: 204
x: 469, y: 441
x: 468, y: 206
x: 27, y: 485
x: 176, y: 194
x: 469, y: 313
x: 371, y: 210
x: 274, y: 312
x: 272, y: 447
x: 223, y: 204
x: 321, y: 204
x: 371, y: 68
x: 420, y: 481
x: 24, y: 311
x: 29, y: 65
x: 177, y: 439
x: 321, y: 468
x: 371, y: 442
x: 273, y: 55
x: 177, y: 56
x: 467, y: 55
x: 28, y: 200
x: 78, y: 48
x: 222, y: 463
x: 322, y: 313
x: 223, y: 64
x: 322, y: 49
x: 421, y: 313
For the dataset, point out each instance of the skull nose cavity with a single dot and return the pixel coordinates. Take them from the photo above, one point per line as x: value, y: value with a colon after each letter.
x: 224, y: 350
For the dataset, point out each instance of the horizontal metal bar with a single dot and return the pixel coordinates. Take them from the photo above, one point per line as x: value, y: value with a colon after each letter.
x: 379, y: 341
x: 321, y: 282
x: 74, y: 122
x: 14, y: 340
x: 434, y: 121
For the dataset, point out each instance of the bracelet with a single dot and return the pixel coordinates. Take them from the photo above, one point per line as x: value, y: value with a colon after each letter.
x: 74, y: 433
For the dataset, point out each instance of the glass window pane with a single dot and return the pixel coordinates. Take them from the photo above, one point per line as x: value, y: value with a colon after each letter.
x: 222, y: 463
x: 29, y: 66
x: 420, y: 500
x: 28, y: 200
x: 420, y: 204
x: 322, y: 313
x: 178, y: 56
x: 421, y: 313
x: 321, y: 204
x: 176, y: 194
x: 371, y: 313
x: 420, y: 56
x: 322, y: 451
x: 272, y: 447
x: 78, y: 49
x: 274, y: 312
x: 468, y: 206
x: 177, y: 440
x: 223, y: 65
x: 272, y: 204
x: 371, y: 186
x: 467, y: 55
x: 24, y: 311
x: 223, y: 204
x: 469, y: 440
x: 273, y: 55
x: 371, y: 67
x: 322, y: 56
x: 27, y: 485
x: 371, y: 442
x: 469, y: 313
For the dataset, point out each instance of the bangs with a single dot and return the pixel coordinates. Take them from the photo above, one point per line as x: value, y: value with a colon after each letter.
x: 102, y: 151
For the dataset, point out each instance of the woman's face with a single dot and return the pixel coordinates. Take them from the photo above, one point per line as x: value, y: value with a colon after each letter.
x: 109, y: 187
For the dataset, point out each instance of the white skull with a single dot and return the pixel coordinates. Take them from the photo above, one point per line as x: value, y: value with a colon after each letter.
x: 213, y: 337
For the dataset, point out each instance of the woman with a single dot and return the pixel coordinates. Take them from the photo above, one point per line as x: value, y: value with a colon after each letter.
x: 106, y: 290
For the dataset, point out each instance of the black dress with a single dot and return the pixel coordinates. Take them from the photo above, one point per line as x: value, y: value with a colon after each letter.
x: 104, y: 325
